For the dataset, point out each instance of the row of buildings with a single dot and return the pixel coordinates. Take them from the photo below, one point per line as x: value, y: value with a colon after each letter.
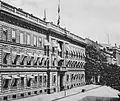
x: 100, y: 58
x: 37, y: 57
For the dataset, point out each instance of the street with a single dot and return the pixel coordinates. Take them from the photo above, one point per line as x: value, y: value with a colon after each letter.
x: 76, y: 94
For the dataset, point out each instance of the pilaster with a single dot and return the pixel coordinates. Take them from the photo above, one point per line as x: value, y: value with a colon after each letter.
x: 9, y: 34
x: 0, y: 83
x: 0, y: 54
x: 0, y: 32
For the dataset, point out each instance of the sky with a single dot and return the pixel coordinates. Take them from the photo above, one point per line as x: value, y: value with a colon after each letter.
x: 94, y: 19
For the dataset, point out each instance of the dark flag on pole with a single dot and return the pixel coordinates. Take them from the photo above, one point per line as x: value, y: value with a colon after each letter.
x: 58, y: 21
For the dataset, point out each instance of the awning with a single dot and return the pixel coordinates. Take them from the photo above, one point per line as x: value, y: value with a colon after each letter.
x: 41, y: 59
x: 30, y: 54
x: 45, y: 59
x: 22, y: 56
x: 35, y: 57
x: 7, y: 77
x: 14, y: 55
x: 46, y: 43
x: 15, y: 76
x: 30, y: 76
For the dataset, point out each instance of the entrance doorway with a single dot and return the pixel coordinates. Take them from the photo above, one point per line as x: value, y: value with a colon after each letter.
x: 61, y: 82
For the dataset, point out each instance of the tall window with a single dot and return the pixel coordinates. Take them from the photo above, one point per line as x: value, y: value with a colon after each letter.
x: 54, y: 79
x: 4, y: 34
x: 45, y: 80
x: 13, y: 36
x: 21, y: 38
x: 6, y: 82
x: 67, y: 77
x: 22, y: 81
x: 40, y: 42
x: 40, y: 80
x: 14, y: 82
x: 28, y: 39
x: 35, y: 80
x: 5, y: 58
x: 35, y: 41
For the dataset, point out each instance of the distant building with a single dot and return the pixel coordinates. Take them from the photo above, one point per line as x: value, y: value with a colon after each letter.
x: 37, y: 57
x: 112, y: 53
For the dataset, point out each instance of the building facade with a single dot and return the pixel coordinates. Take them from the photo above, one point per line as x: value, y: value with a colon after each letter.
x: 112, y: 53
x: 37, y: 57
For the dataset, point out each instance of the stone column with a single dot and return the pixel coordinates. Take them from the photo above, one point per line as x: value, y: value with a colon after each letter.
x: 0, y: 32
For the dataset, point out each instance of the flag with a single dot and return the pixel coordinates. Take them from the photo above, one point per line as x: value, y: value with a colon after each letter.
x: 58, y: 22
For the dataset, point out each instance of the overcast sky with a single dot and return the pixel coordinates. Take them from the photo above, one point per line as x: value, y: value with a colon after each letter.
x: 94, y: 19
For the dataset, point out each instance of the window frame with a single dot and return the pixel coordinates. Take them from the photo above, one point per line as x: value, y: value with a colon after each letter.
x: 34, y: 43
x: 21, y: 38
x: 15, y: 36
x: 28, y: 42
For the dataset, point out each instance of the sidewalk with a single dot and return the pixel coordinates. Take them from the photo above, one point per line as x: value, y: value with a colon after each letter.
x: 103, y: 93
x: 58, y: 95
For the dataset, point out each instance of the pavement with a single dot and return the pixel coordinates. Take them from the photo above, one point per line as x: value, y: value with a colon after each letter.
x: 67, y: 95
x: 103, y: 93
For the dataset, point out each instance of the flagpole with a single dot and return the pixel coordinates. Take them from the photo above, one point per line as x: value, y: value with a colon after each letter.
x: 58, y: 21
x: 44, y: 15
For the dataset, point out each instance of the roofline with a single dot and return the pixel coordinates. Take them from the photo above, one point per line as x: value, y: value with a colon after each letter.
x: 31, y: 18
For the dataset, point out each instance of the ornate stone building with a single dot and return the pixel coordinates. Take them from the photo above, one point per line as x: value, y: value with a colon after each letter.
x: 37, y: 57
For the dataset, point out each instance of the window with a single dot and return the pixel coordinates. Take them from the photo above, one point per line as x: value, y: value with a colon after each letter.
x: 40, y: 80
x: 40, y: 42
x: 35, y: 41
x: 5, y: 83
x: 15, y: 58
x: 14, y: 82
x: 79, y: 76
x: 67, y: 77
x: 54, y: 79
x: 13, y: 36
x: 35, y: 80
x: 22, y: 81
x: 82, y: 76
x: 72, y: 76
x: 45, y: 50
x: 45, y: 80
x: 5, y: 58
x: 21, y: 38
x: 28, y: 39
x: 28, y: 82
x: 53, y: 49
x: 5, y: 34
